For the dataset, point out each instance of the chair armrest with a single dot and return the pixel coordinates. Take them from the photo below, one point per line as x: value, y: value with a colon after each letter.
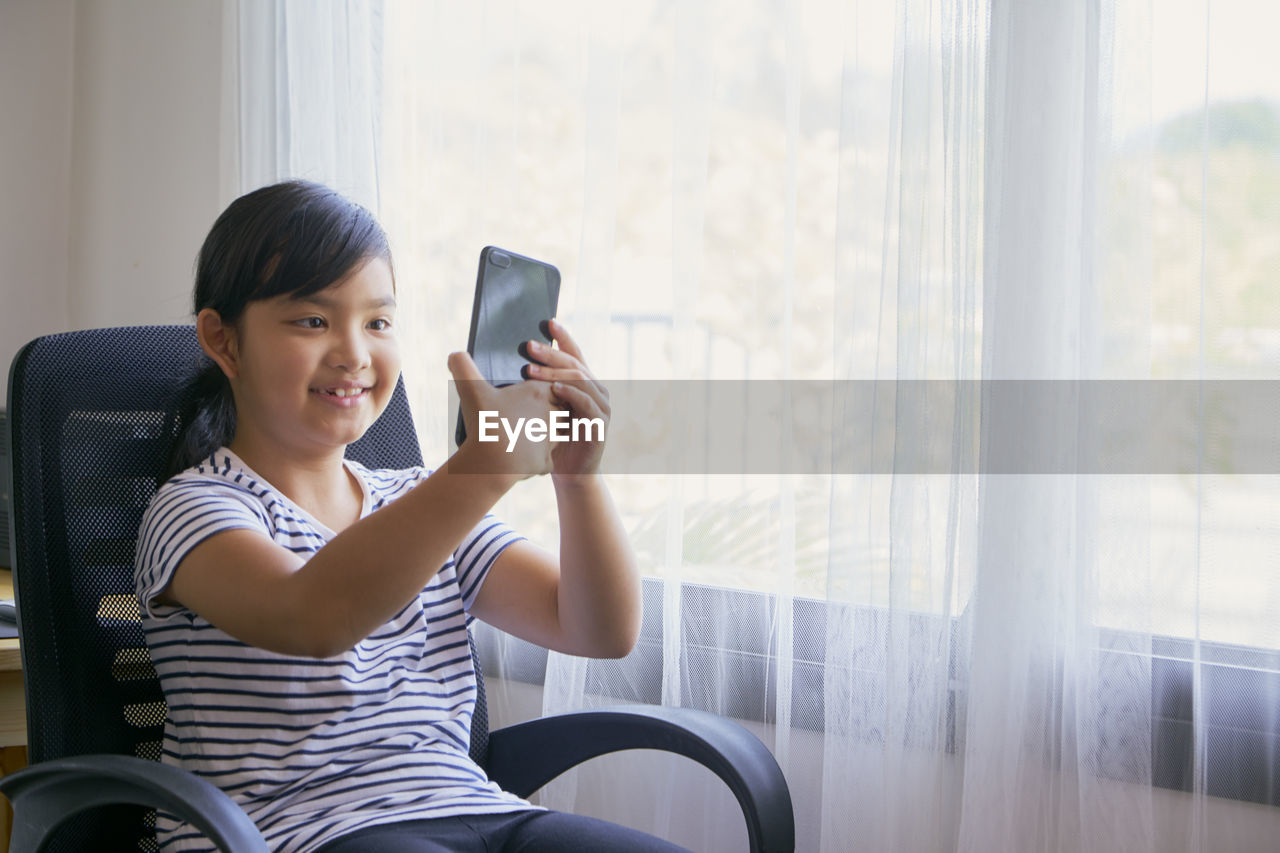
x: 524, y: 757
x: 45, y: 794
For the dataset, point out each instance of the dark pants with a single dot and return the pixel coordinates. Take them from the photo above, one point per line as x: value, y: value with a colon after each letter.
x: 515, y: 832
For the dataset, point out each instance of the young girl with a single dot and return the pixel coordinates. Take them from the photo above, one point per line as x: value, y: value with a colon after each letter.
x: 308, y: 617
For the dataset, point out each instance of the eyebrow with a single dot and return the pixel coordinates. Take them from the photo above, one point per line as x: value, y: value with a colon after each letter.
x: 326, y: 302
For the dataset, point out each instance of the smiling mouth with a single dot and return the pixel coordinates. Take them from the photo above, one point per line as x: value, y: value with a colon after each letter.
x: 341, y: 393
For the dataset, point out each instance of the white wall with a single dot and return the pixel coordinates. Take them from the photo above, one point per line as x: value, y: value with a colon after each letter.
x: 36, y: 47
x: 110, y: 176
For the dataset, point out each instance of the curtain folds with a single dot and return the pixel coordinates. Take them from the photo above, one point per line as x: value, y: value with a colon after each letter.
x: 307, y: 93
x: 958, y: 191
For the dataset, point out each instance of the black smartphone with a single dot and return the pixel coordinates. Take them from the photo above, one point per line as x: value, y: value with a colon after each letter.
x: 515, y: 297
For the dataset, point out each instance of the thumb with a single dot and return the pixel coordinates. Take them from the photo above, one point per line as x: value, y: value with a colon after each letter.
x: 466, y: 375
x: 463, y: 368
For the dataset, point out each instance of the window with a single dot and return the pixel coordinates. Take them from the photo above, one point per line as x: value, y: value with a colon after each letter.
x: 1215, y: 307
x: 721, y: 261
x: 735, y: 212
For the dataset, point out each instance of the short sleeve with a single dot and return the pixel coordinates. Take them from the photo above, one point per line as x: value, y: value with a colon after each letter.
x: 181, y: 515
x: 475, y: 556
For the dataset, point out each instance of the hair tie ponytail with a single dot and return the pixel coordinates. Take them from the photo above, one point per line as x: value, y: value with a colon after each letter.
x: 206, y: 418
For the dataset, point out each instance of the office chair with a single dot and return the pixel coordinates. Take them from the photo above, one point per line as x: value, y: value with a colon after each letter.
x: 91, y: 415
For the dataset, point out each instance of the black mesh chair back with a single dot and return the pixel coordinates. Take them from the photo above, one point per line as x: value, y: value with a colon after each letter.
x: 91, y: 416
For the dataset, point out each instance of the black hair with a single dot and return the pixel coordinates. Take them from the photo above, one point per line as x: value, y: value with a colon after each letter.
x: 295, y: 238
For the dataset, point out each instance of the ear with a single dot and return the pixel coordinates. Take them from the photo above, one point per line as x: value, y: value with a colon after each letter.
x: 218, y: 340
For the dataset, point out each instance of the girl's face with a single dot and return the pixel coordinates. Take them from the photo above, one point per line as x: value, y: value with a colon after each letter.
x: 313, y: 373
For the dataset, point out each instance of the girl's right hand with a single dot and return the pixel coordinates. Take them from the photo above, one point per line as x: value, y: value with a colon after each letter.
x: 527, y: 399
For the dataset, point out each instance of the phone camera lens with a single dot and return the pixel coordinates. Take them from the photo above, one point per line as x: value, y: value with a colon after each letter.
x: 500, y: 259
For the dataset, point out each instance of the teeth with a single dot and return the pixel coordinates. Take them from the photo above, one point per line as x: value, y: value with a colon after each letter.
x: 346, y: 392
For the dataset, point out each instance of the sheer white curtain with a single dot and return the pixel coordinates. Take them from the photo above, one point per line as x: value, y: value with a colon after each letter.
x: 302, y: 94
x: 842, y: 191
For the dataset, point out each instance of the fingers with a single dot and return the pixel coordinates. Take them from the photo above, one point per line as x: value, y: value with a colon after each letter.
x: 566, y: 372
x: 569, y: 353
x: 583, y: 454
x: 582, y: 400
x: 571, y: 376
x: 564, y: 340
x: 565, y: 364
x: 541, y: 353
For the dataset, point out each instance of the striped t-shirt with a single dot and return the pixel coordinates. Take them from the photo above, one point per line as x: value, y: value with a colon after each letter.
x: 314, y: 748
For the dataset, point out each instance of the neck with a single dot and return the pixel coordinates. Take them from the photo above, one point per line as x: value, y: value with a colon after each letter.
x: 318, y: 482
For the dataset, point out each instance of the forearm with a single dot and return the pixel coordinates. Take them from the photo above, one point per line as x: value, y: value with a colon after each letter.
x: 598, y: 596
x: 367, y: 573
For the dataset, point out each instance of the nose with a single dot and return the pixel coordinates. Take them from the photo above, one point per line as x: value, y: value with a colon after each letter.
x: 350, y: 350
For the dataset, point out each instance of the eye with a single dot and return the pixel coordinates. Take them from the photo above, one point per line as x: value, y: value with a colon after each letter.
x: 310, y: 322
x: 380, y: 325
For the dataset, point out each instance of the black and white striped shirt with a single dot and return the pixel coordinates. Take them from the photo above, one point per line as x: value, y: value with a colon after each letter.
x: 309, y: 748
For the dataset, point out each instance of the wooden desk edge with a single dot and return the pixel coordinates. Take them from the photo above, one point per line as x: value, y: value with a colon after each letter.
x: 10, y: 656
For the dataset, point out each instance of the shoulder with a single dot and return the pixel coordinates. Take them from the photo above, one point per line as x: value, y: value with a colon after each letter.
x: 219, y: 474
x: 211, y: 497
x: 215, y: 483
x: 387, y: 484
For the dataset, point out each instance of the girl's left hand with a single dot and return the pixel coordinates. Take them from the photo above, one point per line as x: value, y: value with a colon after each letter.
x: 576, y: 389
